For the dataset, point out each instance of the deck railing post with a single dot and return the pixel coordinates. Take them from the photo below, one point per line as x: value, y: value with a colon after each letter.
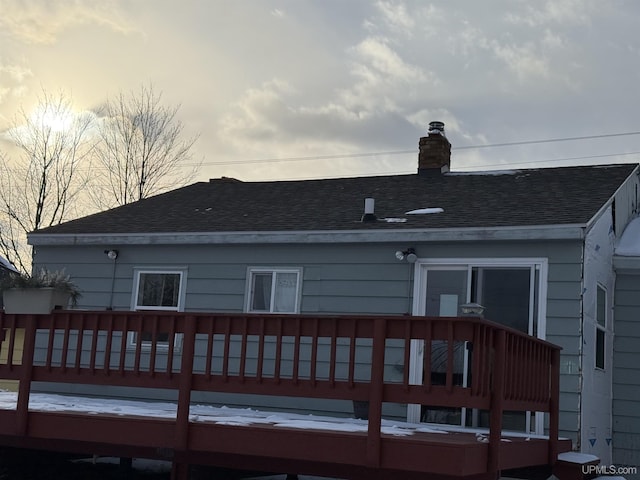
x: 376, y: 386
x: 554, y: 407
x: 186, y: 380
x: 24, y: 386
x: 497, y: 399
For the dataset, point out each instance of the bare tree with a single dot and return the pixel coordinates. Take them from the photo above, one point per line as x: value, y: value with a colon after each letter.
x: 42, y: 175
x: 142, y: 151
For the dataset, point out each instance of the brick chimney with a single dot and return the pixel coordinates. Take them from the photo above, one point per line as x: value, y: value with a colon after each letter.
x: 435, y: 151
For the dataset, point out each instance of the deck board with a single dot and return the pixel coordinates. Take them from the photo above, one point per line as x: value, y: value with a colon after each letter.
x: 318, y: 445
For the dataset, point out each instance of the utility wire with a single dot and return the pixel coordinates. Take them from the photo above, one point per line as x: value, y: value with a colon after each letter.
x: 565, y: 159
x: 469, y: 169
x: 551, y: 140
x: 401, y: 152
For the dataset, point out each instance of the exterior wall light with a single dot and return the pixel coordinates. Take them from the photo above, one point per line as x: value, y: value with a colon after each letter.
x: 112, y: 254
x: 409, y: 255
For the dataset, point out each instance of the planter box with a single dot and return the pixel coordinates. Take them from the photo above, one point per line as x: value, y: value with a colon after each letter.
x: 34, y: 300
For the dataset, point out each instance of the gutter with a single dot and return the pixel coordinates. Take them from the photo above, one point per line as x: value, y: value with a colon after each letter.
x: 537, y: 232
x: 623, y: 264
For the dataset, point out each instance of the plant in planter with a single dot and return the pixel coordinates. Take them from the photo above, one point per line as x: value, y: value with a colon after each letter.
x: 38, y: 293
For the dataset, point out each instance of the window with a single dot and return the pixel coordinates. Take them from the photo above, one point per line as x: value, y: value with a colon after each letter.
x: 273, y: 290
x: 601, y: 325
x: 157, y: 290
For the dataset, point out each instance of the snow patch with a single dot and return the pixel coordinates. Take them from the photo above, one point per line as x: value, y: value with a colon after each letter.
x: 238, y: 417
x: 483, y: 172
x: 424, y: 211
x: 394, y: 220
x: 577, y: 457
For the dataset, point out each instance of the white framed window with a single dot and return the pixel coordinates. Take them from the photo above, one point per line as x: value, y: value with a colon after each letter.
x: 159, y: 290
x: 601, y: 327
x: 273, y: 290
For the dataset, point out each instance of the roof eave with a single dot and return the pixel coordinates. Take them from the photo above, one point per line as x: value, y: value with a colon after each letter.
x: 609, y: 202
x: 537, y: 232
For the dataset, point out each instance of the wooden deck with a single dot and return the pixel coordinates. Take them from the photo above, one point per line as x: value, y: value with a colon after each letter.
x: 295, y: 356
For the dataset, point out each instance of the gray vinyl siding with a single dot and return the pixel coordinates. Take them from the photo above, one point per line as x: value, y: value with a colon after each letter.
x: 626, y: 371
x: 338, y: 278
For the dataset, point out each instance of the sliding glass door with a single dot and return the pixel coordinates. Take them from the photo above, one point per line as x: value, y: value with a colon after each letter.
x: 509, y: 289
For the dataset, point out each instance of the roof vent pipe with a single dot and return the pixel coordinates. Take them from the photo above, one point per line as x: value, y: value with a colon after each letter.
x: 369, y: 209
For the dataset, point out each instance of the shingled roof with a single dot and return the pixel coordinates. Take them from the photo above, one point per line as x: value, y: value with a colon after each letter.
x: 545, y: 196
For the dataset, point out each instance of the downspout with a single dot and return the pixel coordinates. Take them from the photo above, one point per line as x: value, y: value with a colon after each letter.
x: 113, y: 256
x: 409, y: 289
x: 113, y: 283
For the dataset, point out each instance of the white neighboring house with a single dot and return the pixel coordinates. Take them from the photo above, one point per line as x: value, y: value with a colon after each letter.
x: 5, y: 268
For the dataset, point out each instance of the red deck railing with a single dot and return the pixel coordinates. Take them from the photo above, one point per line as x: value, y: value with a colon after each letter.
x: 333, y: 357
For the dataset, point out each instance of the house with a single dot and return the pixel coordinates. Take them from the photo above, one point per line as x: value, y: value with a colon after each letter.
x: 536, y: 248
x: 5, y: 269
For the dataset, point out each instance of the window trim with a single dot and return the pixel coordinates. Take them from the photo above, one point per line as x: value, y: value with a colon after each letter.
x: 273, y: 270
x: 137, y: 272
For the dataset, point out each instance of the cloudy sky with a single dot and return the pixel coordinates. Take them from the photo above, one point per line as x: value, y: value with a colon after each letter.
x: 291, y: 89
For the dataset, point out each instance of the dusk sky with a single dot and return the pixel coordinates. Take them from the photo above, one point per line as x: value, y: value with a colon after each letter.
x: 293, y: 89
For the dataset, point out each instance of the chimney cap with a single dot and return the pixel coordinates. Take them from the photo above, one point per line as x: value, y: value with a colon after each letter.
x: 436, y: 128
